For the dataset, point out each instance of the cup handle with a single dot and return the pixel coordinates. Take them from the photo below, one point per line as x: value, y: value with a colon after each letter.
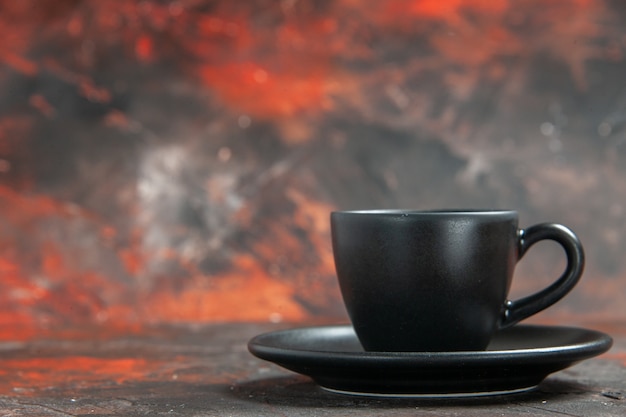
x: 515, y: 311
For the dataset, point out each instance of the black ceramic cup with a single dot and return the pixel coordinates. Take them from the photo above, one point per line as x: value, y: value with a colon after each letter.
x: 422, y: 281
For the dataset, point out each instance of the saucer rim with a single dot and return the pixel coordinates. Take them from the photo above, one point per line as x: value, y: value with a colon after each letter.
x: 597, y: 344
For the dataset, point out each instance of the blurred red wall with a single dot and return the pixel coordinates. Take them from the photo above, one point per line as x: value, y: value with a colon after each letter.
x: 167, y: 161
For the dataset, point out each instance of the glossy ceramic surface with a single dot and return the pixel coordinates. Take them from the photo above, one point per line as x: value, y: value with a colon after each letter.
x: 517, y: 360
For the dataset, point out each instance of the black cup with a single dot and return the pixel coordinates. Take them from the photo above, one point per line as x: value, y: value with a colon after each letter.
x: 422, y: 281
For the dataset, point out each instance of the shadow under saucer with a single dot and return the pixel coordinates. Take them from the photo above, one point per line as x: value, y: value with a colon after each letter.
x: 302, y: 392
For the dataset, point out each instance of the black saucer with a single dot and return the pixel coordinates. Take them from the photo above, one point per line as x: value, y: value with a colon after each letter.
x: 517, y: 360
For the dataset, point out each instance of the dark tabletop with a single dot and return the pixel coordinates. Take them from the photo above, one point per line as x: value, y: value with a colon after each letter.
x: 206, y: 370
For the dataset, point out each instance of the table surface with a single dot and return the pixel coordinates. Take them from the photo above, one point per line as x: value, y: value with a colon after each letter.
x: 206, y: 370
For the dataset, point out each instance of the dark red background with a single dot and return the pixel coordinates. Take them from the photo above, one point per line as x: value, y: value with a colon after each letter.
x: 176, y: 161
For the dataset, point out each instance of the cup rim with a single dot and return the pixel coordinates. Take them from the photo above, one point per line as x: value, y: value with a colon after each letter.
x: 435, y: 212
